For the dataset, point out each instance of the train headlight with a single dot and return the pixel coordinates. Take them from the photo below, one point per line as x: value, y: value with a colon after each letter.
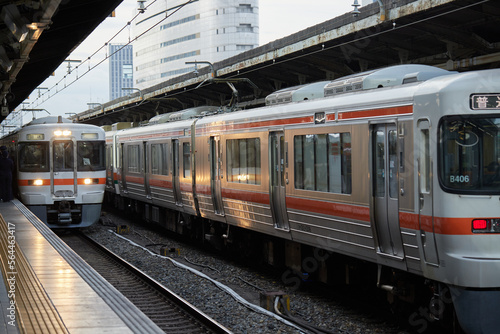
x: 88, y: 181
x: 37, y: 182
x: 59, y: 133
x: 491, y: 225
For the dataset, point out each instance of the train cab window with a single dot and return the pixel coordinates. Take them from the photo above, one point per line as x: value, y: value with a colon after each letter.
x: 243, y: 160
x: 34, y: 157
x: 63, y: 156
x: 186, y: 160
x: 159, y: 159
x: 323, y: 162
x: 90, y: 155
x: 469, y: 154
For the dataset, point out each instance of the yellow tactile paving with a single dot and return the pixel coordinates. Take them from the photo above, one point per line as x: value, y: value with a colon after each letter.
x: 35, y: 311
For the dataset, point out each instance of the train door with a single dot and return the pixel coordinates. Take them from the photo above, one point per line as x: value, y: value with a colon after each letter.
x: 64, y: 177
x: 277, y: 186
x: 216, y: 174
x: 426, y: 206
x: 146, y: 170
x: 109, y: 168
x: 386, y: 190
x: 175, y: 172
x: 123, y: 166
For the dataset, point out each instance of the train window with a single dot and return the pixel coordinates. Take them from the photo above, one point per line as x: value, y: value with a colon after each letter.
x: 109, y: 155
x: 159, y: 159
x: 186, y: 160
x: 425, y: 163
x: 469, y: 157
x: 323, y: 162
x: 118, y: 158
x: 379, y: 184
x: 63, y: 156
x: 320, y: 163
x: 393, y: 164
x: 243, y: 160
x: 133, y: 159
x: 34, y: 157
x: 90, y: 155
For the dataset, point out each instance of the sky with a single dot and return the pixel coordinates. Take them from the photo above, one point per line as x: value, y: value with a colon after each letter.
x: 64, y: 95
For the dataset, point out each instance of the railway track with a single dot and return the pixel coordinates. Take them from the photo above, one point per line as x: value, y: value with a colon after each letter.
x: 169, y: 311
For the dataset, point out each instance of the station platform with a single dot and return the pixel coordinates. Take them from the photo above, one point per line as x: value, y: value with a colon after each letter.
x: 47, y: 288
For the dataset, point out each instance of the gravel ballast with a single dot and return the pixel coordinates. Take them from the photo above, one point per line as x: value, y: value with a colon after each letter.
x: 229, y: 292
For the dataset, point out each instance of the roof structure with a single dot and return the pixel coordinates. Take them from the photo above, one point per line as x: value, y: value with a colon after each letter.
x: 457, y: 35
x: 37, y: 36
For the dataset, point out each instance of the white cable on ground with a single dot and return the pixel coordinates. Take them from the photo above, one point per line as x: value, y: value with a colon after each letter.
x: 221, y: 286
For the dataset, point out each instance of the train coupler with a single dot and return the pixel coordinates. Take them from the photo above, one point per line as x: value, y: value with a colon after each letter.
x: 64, y: 218
x: 64, y: 213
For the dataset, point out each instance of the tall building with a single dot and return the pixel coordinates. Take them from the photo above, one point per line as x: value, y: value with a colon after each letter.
x: 120, y: 70
x: 207, y: 30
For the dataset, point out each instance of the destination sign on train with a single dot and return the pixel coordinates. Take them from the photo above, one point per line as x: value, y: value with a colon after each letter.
x: 485, y: 101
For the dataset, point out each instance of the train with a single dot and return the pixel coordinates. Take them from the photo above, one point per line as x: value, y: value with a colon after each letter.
x: 395, y: 167
x: 60, y: 170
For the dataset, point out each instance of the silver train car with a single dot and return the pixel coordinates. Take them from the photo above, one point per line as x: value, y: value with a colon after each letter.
x: 60, y: 170
x: 397, y: 167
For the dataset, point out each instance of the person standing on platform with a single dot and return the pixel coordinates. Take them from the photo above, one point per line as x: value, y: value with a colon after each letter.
x: 6, y: 169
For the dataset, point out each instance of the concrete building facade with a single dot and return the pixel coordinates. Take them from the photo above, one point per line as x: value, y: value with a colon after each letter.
x: 172, y: 34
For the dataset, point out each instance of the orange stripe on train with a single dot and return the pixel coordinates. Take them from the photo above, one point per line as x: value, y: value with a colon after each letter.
x: 61, y: 182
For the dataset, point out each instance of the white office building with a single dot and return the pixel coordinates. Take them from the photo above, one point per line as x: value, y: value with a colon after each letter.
x: 204, y: 30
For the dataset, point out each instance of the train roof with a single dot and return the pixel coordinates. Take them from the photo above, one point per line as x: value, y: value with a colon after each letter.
x: 297, y: 93
x: 183, y: 114
x: 385, y: 77
x: 49, y: 120
x: 403, y: 84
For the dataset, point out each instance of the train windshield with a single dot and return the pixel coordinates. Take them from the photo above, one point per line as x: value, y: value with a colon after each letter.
x: 470, y: 154
x: 91, y: 155
x: 33, y: 157
x: 63, y: 156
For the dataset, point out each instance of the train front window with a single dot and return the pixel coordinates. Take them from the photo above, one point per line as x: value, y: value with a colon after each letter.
x: 63, y: 156
x: 90, y: 155
x: 34, y: 157
x: 470, y: 154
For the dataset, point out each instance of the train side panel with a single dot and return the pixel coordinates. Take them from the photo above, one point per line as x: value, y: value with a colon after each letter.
x: 401, y: 176
x: 327, y: 192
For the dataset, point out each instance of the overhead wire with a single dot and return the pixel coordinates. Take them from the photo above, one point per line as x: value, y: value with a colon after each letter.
x: 356, y: 40
x: 55, y: 86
